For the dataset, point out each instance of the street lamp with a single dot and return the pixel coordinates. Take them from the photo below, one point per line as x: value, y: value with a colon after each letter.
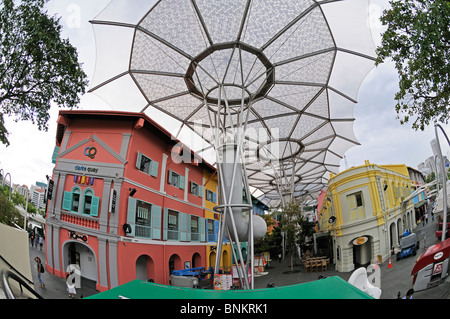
x: 435, y: 146
x: 10, y: 182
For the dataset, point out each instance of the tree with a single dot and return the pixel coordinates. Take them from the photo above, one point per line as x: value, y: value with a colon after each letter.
x: 290, y: 217
x: 9, y: 214
x: 307, y: 229
x: 37, y: 67
x: 271, y: 242
x: 418, y: 41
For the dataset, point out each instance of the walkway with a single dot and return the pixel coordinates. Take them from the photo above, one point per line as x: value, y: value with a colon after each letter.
x: 55, y: 287
x: 394, y: 279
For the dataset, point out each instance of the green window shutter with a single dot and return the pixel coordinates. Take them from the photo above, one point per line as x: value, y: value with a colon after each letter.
x: 156, y: 222
x: 165, y: 221
x: 131, y: 214
x: 183, y: 226
x: 154, y: 168
x: 138, y: 160
x: 67, y: 201
x: 169, y: 177
x: 94, y: 206
x: 188, y: 227
x: 55, y: 154
x: 201, y: 227
x: 200, y: 191
x: 181, y: 181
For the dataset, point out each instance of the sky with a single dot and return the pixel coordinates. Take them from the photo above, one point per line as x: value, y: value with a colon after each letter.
x: 383, y: 139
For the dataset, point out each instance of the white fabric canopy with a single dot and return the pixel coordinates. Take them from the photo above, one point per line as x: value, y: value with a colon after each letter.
x: 295, y: 65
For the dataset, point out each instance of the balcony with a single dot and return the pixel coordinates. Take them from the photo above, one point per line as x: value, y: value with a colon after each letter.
x: 77, y: 219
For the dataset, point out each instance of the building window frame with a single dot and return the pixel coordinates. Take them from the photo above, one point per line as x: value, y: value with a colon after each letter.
x: 211, y: 196
x: 76, y: 200
x: 195, y: 228
x: 146, y: 165
x: 90, y: 203
x: 139, y: 214
x: 173, y: 225
x: 196, y: 189
x: 79, y: 202
x: 175, y: 179
x: 355, y: 202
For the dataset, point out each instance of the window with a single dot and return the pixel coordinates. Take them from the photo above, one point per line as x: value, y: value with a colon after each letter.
x: 196, y: 189
x: 210, y: 229
x: 172, y: 225
x: 144, y: 219
x: 194, y: 228
x: 86, y: 203
x: 175, y: 179
x: 146, y: 165
x: 90, y: 203
x: 75, y: 200
x: 211, y: 196
x: 355, y: 206
x: 184, y: 227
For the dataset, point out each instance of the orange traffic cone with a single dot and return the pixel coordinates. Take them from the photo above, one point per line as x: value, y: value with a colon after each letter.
x: 390, y: 263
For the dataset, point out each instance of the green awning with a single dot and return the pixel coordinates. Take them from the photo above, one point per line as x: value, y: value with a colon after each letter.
x: 328, y: 288
x: 419, y: 204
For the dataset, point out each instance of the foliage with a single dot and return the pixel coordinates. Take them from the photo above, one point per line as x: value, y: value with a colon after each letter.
x: 307, y: 229
x: 295, y: 227
x: 418, y: 41
x: 291, y: 214
x: 432, y: 177
x: 9, y: 214
x: 271, y: 241
x: 18, y: 199
x: 37, y: 67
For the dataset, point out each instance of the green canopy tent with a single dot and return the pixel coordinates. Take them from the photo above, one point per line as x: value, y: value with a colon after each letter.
x: 327, y: 288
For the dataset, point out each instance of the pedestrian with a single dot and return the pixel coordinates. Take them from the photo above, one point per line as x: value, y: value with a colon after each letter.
x: 71, y: 286
x: 36, y: 240
x: 426, y: 218
x: 409, y: 294
x: 32, y: 239
x: 40, y: 270
x: 279, y: 258
x: 432, y: 216
x: 41, y: 242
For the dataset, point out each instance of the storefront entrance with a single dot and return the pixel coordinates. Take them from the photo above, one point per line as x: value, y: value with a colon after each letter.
x: 361, y: 251
x: 78, y: 253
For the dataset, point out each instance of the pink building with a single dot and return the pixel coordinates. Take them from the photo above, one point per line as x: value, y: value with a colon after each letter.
x: 123, y: 206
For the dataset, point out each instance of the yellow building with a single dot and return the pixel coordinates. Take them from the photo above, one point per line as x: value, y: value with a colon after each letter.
x: 364, y: 213
x: 210, y: 200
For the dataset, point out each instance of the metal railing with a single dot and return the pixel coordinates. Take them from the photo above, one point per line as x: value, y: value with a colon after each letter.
x: 15, y: 291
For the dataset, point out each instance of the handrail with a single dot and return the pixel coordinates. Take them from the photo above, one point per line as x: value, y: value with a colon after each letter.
x: 15, y: 270
x: 5, y: 275
x: 17, y: 276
